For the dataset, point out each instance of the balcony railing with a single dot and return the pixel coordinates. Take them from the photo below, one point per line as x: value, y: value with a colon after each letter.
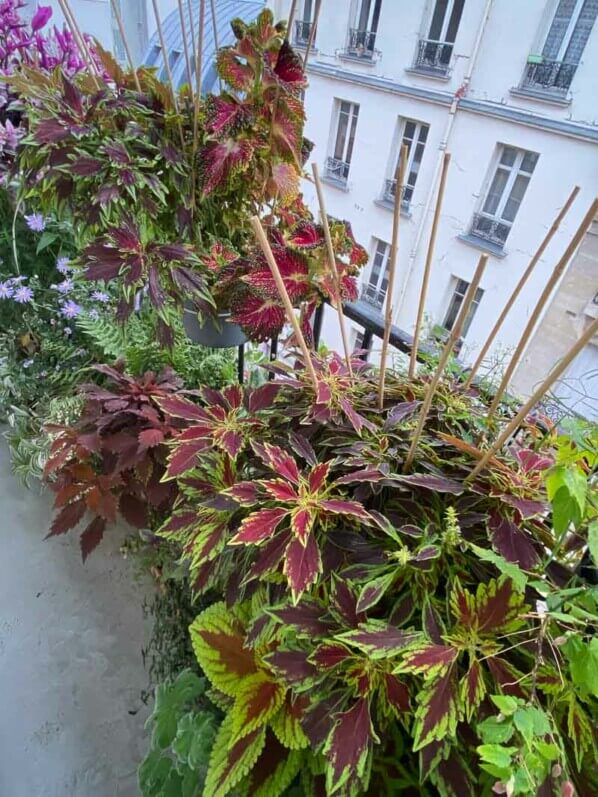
x: 302, y: 32
x: 490, y: 229
x: 337, y: 170
x: 390, y: 190
x: 361, y: 44
x: 433, y: 57
x: 373, y: 296
x: 551, y: 76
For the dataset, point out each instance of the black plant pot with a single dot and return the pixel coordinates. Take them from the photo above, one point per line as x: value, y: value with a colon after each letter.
x: 220, y: 334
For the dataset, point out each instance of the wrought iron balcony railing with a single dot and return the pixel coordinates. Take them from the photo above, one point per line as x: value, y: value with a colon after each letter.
x: 302, y: 32
x: 390, y: 190
x: 336, y: 169
x: 552, y: 76
x: 490, y: 229
x: 433, y: 57
x: 361, y: 44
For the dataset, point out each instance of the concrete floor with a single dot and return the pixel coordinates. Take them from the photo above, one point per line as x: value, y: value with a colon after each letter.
x: 71, y: 673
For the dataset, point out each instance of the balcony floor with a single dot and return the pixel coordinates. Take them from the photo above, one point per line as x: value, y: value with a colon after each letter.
x: 71, y: 670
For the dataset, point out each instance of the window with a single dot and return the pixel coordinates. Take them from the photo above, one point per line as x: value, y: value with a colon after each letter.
x: 374, y: 291
x: 554, y: 68
x: 414, y: 136
x: 505, y: 194
x: 337, y: 166
x: 434, y: 52
x: 362, y: 38
x: 304, y: 24
x: 455, y: 306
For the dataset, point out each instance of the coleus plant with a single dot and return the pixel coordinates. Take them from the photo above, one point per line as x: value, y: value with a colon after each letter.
x: 111, y: 462
x: 118, y: 159
x: 394, y: 612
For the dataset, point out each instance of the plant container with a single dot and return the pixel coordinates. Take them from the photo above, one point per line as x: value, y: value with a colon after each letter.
x: 217, y: 333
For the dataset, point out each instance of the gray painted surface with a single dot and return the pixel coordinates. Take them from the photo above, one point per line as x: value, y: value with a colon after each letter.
x: 70, y: 658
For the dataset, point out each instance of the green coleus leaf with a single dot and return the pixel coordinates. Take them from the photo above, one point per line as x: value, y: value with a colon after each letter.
x: 531, y: 721
x: 218, y: 640
x: 579, y: 728
x: 275, y: 770
x: 495, y: 730
x: 231, y: 761
x: 495, y: 608
x: 583, y: 664
x: 378, y: 639
x: 496, y: 755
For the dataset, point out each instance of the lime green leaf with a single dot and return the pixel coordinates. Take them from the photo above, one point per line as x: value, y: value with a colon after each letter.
x: 505, y: 704
x: 509, y: 569
x: 548, y: 751
x: 583, y: 664
x: 230, y: 763
x: 530, y: 722
x: 496, y: 755
x: 565, y: 510
x: 172, y: 700
x: 593, y: 540
x: 495, y: 731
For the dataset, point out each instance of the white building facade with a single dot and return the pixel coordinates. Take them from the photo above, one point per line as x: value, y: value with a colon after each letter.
x: 510, y: 89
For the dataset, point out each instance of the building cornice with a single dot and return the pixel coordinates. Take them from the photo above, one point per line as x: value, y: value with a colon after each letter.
x: 497, y: 111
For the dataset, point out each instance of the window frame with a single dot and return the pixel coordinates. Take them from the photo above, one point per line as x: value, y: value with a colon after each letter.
x: 371, y: 292
x: 456, y: 302
x: 400, y: 135
x: 445, y: 22
x: 350, y: 136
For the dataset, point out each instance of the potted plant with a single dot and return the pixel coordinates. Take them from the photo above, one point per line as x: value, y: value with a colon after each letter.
x: 162, y: 200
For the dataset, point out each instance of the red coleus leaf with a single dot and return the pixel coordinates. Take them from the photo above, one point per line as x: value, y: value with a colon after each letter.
x: 259, y: 526
x: 302, y: 521
x: 345, y: 507
x: 68, y: 518
x: 85, y: 166
x: 348, y: 747
x: 302, y: 565
x: 377, y: 639
x: 473, y: 688
x: 293, y: 270
x: 306, y: 235
x: 439, y: 484
x: 225, y: 114
x: 270, y: 556
x: 231, y: 441
x: 307, y: 618
x: 150, y: 438
x: 233, y: 70
x: 506, y: 676
x: 177, y: 407
x: 317, y: 476
x: 360, y: 476
x: 498, y: 605
x: 429, y: 659
x: 293, y: 665
x: 330, y: 655
x: 289, y: 67
x: 279, y: 461
x: 244, y: 493
x: 284, y: 182
x: 263, y: 397
x: 397, y: 693
x: 134, y: 511
x: 512, y: 542
x: 92, y: 536
x: 280, y: 490
x: 530, y: 461
x: 184, y: 458
x: 261, y: 317
x: 220, y: 161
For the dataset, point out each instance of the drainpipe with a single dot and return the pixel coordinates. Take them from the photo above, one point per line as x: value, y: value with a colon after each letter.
x: 459, y: 94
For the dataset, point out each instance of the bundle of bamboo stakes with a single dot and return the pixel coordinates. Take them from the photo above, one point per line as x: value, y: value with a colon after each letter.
x: 193, y: 42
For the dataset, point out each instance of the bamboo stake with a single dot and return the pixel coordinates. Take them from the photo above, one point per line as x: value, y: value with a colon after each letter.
x: 428, y: 265
x: 266, y: 249
x: 544, y: 297
x: 166, y: 62
x: 190, y: 14
x: 312, y: 33
x: 333, y: 268
x: 198, y: 71
x: 71, y: 21
x: 538, y: 394
x: 519, y: 287
x: 392, y: 267
x: 123, y: 36
x: 185, y: 47
x: 215, y: 32
x: 444, y: 357
x: 291, y: 18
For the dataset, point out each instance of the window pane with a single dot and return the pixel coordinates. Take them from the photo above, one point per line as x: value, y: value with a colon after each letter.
x: 453, y: 26
x: 438, y: 20
x: 496, y: 191
x: 423, y: 133
x: 508, y: 156
x: 581, y: 32
x: 515, y: 197
x: 558, y: 29
x: 409, y: 133
x: 452, y: 312
x: 307, y: 11
x: 352, y: 134
x: 341, y: 133
x: 528, y: 164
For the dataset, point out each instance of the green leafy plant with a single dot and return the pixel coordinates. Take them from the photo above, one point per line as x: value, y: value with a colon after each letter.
x: 182, y: 733
x: 393, y: 611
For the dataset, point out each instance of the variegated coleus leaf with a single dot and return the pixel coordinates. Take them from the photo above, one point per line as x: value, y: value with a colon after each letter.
x: 220, y: 161
x: 495, y: 608
x: 377, y: 639
x: 437, y: 710
x: 293, y: 270
x: 260, y: 317
x: 348, y: 749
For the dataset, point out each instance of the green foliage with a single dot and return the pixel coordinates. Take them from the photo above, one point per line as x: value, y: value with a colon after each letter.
x: 182, y: 734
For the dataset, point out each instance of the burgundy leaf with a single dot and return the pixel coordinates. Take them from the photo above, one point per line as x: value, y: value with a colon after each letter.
x: 270, y: 556
x: 134, y: 511
x: 178, y: 407
x: 92, y: 536
x: 302, y: 447
x: 279, y: 461
x: 349, y: 744
x: 439, y: 484
x: 263, y: 397
x: 68, y: 518
x: 184, y: 458
x: 318, y: 475
x: 302, y: 564
x: 511, y: 542
x: 399, y: 412
x: 364, y: 475
x: 397, y: 693
x: 307, y: 618
x: 301, y: 523
x: 150, y: 438
x: 259, y: 526
x: 344, y: 507
x: 330, y: 655
x: 244, y: 493
x: 292, y: 665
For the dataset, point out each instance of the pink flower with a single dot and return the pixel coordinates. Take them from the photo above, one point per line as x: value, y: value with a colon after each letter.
x: 41, y: 17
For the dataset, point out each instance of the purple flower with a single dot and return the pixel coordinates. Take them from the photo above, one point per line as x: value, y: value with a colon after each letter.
x: 100, y: 296
x: 36, y: 222
x: 62, y: 265
x: 41, y: 17
x: 64, y: 287
x: 71, y: 309
x: 23, y: 295
x: 6, y: 290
